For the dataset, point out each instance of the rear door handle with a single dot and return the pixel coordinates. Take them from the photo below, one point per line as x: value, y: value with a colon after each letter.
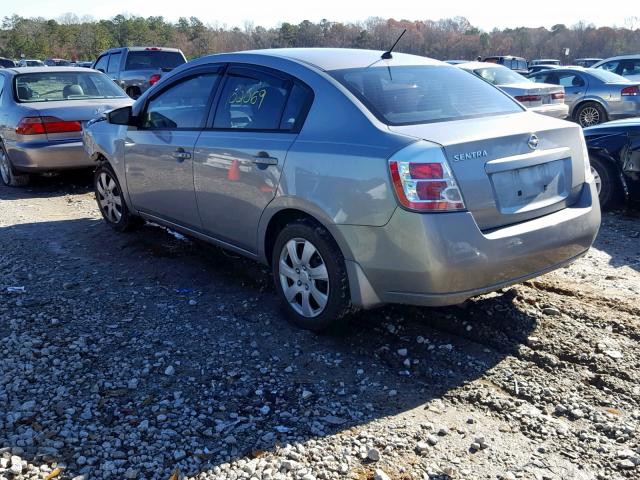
x: 181, y: 155
x: 263, y: 158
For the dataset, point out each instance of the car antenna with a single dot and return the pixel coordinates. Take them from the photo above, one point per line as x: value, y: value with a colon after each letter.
x: 387, y: 55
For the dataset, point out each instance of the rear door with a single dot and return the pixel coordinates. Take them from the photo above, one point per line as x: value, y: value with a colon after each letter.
x: 159, y: 154
x: 238, y: 160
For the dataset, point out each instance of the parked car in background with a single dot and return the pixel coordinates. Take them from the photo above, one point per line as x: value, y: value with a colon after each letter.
x: 614, y: 152
x: 57, y: 62
x: 136, y: 69
x: 540, y: 68
x: 360, y: 177
x: 517, y: 64
x: 586, y: 62
x: 594, y: 96
x: 30, y: 63
x: 6, y: 63
x: 42, y: 114
x: 627, y: 66
x: 84, y: 64
x: 544, y: 61
x: 456, y: 62
x: 539, y: 98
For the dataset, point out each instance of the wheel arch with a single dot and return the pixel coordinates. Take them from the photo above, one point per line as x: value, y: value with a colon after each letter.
x: 582, y: 101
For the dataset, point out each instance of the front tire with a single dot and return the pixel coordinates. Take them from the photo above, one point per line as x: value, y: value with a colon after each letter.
x: 590, y: 114
x: 111, y: 200
x: 610, y: 191
x: 310, y: 276
x: 7, y: 174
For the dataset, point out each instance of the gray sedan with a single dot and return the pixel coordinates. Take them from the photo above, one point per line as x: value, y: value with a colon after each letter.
x: 593, y: 95
x: 361, y: 177
x: 42, y: 113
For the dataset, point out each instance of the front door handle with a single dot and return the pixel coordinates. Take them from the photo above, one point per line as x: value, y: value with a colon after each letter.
x: 181, y: 155
x: 263, y: 158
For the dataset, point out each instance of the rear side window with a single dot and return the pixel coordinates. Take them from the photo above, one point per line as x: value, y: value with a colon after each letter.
x: 522, y: 65
x: 630, y: 67
x: 153, y: 60
x: 610, y: 66
x: 254, y: 100
x: 405, y: 95
x: 114, y: 62
x: 102, y: 62
x: 569, y: 80
x: 182, y: 105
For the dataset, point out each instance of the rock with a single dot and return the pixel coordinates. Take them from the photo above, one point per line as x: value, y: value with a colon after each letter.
x: 306, y: 394
x: 551, y: 311
x: 432, y: 440
x: 81, y: 460
x: 179, y: 455
x: 380, y: 475
x: 403, y: 352
x: 393, y: 393
x: 265, y: 410
x: 373, y: 454
x: 143, y: 425
x: 615, y: 354
x: 170, y: 370
x: 626, y: 464
x: 422, y: 447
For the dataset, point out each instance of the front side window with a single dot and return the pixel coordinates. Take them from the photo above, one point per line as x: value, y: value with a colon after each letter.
x: 254, y: 100
x: 102, y: 63
x: 405, y: 95
x: 114, y: 62
x: 569, y: 80
x: 46, y: 87
x: 182, y: 105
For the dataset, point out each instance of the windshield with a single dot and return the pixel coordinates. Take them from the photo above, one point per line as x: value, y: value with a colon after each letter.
x: 406, y: 95
x: 606, y: 76
x: 500, y: 76
x: 47, y: 87
x: 153, y: 60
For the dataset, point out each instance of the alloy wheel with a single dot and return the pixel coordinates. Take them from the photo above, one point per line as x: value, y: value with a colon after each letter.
x: 304, y: 277
x: 597, y: 180
x: 589, y: 116
x: 109, y: 197
x: 5, y: 171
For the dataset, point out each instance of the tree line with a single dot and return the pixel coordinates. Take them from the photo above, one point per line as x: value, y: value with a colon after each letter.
x: 84, y: 38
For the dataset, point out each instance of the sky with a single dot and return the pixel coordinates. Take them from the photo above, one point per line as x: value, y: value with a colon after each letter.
x: 483, y: 14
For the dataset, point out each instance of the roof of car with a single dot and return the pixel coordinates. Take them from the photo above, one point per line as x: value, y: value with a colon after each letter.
x: 339, y: 58
x: 620, y: 57
x: 139, y: 49
x: 474, y: 65
x: 18, y: 70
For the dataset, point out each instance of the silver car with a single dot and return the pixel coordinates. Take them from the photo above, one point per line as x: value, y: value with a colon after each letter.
x: 546, y: 99
x: 360, y: 177
x: 42, y: 112
x: 594, y: 96
x: 627, y: 66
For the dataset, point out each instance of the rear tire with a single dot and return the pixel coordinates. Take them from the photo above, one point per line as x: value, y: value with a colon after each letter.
x: 610, y: 191
x: 590, y: 113
x: 111, y: 201
x: 8, y: 175
x: 310, y: 276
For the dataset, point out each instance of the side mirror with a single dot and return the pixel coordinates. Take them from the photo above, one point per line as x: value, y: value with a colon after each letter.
x: 122, y: 116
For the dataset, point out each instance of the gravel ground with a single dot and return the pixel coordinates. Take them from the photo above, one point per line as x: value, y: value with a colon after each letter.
x: 149, y: 356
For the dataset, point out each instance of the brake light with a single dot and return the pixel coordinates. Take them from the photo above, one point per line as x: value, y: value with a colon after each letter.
x: 154, y: 49
x: 528, y: 98
x: 557, y: 96
x: 422, y: 179
x: 154, y: 79
x: 43, y: 125
x: 631, y: 91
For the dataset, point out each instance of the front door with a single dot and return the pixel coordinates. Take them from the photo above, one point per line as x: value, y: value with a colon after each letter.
x: 159, y: 154
x: 238, y: 161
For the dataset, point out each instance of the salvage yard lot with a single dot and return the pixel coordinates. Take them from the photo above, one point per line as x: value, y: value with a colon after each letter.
x: 142, y: 355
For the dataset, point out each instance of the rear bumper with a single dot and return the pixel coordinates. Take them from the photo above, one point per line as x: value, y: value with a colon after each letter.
x: 555, y: 111
x: 48, y: 156
x: 444, y: 259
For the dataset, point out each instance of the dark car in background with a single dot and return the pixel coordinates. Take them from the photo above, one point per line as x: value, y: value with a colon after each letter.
x: 517, y: 64
x: 135, y: 69
x: 6, y: 63
x: 57, y: 62
x: 614, y: 153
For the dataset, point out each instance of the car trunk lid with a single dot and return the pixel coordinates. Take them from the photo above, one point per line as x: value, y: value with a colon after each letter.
x: 503, y: 179
x: 535, y: 94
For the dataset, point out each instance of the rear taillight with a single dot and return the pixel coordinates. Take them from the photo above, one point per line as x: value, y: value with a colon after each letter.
x: 631, y: 91
x: 423, y: 180
x: 43, y: 125
x: 528, y: 98
x: 154, y: 79
x: 557, y: 96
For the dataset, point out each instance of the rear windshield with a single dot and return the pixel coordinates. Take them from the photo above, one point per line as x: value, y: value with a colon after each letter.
x: 57, y: 62
x: 607, y: 77
x: 153, y: 60
x: 500, y: 75
x: 406, y: 95
x: 48, y: 87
